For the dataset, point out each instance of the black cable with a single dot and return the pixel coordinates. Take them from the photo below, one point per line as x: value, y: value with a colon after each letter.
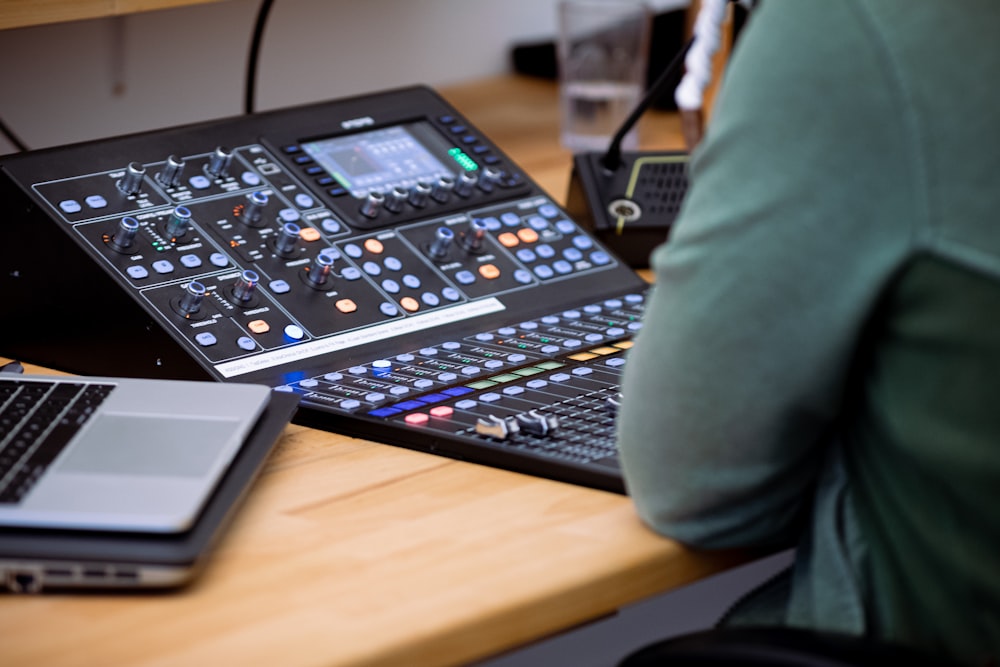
x: 613, y: 158
x: 258, y: 34
x: 11, y: 137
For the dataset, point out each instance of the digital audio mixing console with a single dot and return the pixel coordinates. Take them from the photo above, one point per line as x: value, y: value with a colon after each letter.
x: 377, y: 255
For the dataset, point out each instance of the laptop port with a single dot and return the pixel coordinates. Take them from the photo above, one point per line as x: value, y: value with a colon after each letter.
x: 24, y: 581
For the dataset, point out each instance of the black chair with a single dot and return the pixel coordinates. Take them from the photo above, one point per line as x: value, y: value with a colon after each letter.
x: 776, y: 647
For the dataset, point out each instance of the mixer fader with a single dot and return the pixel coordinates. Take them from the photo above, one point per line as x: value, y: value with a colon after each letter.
x: 377, y: 255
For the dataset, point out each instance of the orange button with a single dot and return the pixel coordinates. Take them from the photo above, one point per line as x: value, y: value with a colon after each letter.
x: 346, y: 306
x: 374, y: 246
x: 259, y: 327
x: 309, y: 234
x: 527, y: 235
x: 508, y: 239
x: 409, y: 303
x: 489, y: 271
x: 442, y: 411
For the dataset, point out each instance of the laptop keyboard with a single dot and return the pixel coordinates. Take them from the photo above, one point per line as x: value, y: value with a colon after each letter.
x: 38, y: 418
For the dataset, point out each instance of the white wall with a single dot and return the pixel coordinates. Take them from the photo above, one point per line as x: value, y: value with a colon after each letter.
x: 88, y: 79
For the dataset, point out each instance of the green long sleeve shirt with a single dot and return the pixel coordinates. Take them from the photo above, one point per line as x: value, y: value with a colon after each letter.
x: 819, y: 364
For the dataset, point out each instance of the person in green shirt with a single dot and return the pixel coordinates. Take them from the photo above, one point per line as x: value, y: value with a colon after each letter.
x: 819, y: 364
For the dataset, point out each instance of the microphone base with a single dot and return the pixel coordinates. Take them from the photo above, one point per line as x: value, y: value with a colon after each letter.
x: 632, y: 208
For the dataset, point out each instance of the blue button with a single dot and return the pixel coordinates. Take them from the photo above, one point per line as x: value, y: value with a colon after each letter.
x: 279, y: 286
x: 303, y: 200
x: 430, y: 298
x: 513, y: 390
x: 137, y: 272
x: 96, y: 201
x: 634, y: 298
x: 573, y: 254
x: 294, y: 332
x: 447, y: 377
x: 409, y: 405
x: 548, y: 210
x: 205, y: 339
x: 594, y: 338
x: 406, y: 357
x: 550, y: 320
x: 562, y: 266
x: 466, y: 404
x: 543, y: 271
x: 353, y: 250
x: 522, y: 276
x: 465, y: 277
x: 583, y: 242
x: 289, y: 215
x: 70, y: 206
x: 383, y: 412
x: 456, y: 391
x: 291, y: 149
x: 545, y: 251
x: 218, y: 259
x: 538, y: 223
x: 492, y: 224
x: 411, y: 281
x: 493, y: 364
x: 330, y: 226
x: 162, y: 266
x: 423, y: 384
x: 516, y: 358
x: 351, y: 404
x: 536, y: 384
x: 389, y: 309
x: 350, y: 273
x: 199, y: 182
x: 250, y: 178
x: 510, y: 219
x: 392, y: 263
x: 457, y: 129
x: 451, y: 294
x: 565, y: 226
x: 399, y: 391
x: 451, y: 345
x: 375, y: 397
x: 526, y: 255
x: 600, y: 257
x: 246, y: 343
x: 191, y: 261
x: 303, y: 159
x: 390, y: 286
x: 371, y: 268
x: 432, y: 398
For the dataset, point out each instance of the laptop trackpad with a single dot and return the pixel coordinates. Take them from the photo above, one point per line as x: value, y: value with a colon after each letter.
x: 147, y: 445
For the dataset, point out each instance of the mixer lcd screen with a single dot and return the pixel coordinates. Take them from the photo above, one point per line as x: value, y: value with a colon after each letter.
x: 383, y: 159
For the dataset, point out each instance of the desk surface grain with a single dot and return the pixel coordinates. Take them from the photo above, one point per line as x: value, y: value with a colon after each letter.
x: 349, y: 552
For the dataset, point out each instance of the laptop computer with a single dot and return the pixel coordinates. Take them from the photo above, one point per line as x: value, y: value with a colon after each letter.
x: 33, y: 558
x: 117, y: 454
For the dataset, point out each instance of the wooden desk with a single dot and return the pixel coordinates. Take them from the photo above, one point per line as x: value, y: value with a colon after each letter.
x: 354, y: 553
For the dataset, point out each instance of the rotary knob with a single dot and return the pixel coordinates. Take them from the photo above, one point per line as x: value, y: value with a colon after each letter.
x: 245, y: 286
x: 253, y: 210
x: 465, y: 183
x: 372, y: 203
x: 472, y: 239
x: 443, y: 238
x: 395, y: 199
x: 194, y: 294
x: 321, y: 269
x: 177, y: 224
x: 170, y: 175
x: 131, y: 181
x: 288, y: 237
x: 442, y: 189
x: 124, y: 236
x: 219, y: 162
x: 420, y: 193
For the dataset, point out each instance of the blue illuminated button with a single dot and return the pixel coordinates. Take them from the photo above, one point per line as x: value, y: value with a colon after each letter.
x: 205, y: 339
x: 634, y: 326
x: 309, y: 383
x: 600, y: 257
x: 451, y: 345
x: 392, y: 263
x: 548, y: 210
x: 592, y: 309
x: 199, y: 182
x: 96, y: 201
x: 522, y: 276
x: 615, y: 331
x: 399, y: 391
x: 616, y: 362
x: 538, y: 223
x: 428, y: 351
x: 294, y: 332
x: 388, y: 309
x: 516, y: 358
x: 571, y: 314
x: 381, y: 368
x: 471, y: 370
x: 529, y: 326
x: 484, y: 336
x: 526, y: 255
x: 350, y: 273
x: 550, y: 349
x: 510, y: 219
x: 390, y: 286
x: 490, y: 397
x: 491, y: 223
x: 289, y: 215
x: 572, y: 343
x: 451, y: 294
x: 583, y: 242
x: 279, y: 286
x: 333, y: 377
x: 303, y: 200
x: 565, y: 226
x: 550, y: 320
x: 582, y: 370
x: 560, y: 377
x: 465, y: 277
x: 507, y: 331
x: 250, y: 178
x: 536, y: 384
x: 447, y: 377
x: 465, y: 404
x: 218, y: 259
x: 137, y: 272
x: 330, y: 226
x: 430, y: 298
x: 375, y: 397
x: 573, y: 254
x: 353, y: 250
x: 406, y: 357
x: 562, y: 266
x: 493, y: 364
x: 513, y: 390
x: 350, y: 404
x: 423, y: 383
x: 456, y: 391
x: 411, y: 281
x: 545, y: 251
x: 191, y: 261
x: 162, y: 266
x: 634, y: 298
x: 544, y: 271
x: 613, y: 304
x: 70, y: 206
x: 593, y: 338
x: 357, y: 370
x: 371, y: 268
x: 246, y: 343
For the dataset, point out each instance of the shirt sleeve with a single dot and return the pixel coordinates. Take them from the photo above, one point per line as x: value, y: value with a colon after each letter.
x: 797, y: 216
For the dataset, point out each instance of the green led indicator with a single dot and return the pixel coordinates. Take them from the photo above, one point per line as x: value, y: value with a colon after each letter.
x: 462, y: 159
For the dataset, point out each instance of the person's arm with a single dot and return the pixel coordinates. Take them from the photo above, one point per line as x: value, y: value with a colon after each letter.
x: 790, y: 230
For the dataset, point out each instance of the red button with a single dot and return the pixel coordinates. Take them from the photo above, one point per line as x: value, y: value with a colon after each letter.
x: 442, y: 411
x: 416, y: 419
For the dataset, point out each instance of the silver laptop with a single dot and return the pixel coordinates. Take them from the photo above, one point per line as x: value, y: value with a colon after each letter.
x: 117, y: 454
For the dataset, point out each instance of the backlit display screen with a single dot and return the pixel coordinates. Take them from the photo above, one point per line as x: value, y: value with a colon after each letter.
x: 386, y: 158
